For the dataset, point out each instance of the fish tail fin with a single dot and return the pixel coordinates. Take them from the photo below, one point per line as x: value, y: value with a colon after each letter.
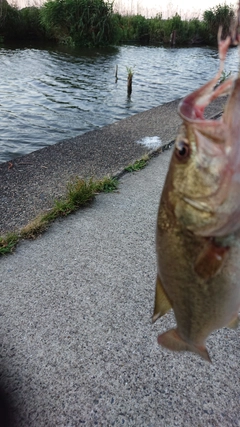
x: 173, y: 341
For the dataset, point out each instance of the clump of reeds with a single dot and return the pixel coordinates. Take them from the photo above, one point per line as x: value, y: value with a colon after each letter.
x: 79, y: 22
x: 129, y: 81
x: 93, y: 23
x: 218, y: 16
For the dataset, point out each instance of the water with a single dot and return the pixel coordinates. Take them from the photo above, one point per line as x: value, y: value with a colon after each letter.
x: 49, y: 94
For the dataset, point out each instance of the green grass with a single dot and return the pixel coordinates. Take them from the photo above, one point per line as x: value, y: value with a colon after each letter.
x: 224, y: 76
x: 8, y: 243
x: 79, y: 22
x: 107, y: 185
x: 138, y: 165
x: 130, y: 72
x: 80, y: 192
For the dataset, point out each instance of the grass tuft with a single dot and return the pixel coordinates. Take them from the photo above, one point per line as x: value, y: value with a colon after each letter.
x: 138, y: 165
x: 130, y: 72
x: 8, y: 243
x: 80, y: 192
x: 34, y: 228
x: 107, y: 185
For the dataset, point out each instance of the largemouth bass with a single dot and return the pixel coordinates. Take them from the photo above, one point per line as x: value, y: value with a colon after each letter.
x: 198, y: 225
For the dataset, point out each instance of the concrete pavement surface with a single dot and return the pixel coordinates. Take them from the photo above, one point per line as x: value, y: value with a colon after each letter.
x: 30, y: 183
x: 78, y: 346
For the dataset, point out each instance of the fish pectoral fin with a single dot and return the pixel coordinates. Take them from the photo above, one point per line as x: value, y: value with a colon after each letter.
x: 210, y: 260
x: 234, y: 323
x: 162, y: 304
x: 172, y: 340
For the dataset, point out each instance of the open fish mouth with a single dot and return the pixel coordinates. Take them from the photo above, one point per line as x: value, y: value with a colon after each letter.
x: 192, y: 107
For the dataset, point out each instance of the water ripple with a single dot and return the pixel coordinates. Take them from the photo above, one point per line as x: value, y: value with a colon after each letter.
x: 50, y: 94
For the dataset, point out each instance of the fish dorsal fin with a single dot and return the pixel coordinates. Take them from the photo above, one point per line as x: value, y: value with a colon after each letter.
x: 162, y: 304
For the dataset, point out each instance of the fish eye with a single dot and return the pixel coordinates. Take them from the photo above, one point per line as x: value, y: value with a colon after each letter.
x: 182, y: 150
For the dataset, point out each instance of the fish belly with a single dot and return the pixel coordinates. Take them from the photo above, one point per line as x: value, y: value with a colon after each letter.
x: 201, y: 304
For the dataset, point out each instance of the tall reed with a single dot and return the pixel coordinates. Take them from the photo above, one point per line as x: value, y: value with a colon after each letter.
x: 79, y: 22
x: 221, y: 15
x: 93, y: 23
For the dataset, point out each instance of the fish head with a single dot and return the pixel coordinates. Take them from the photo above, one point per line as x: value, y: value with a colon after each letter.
x: 204, y: 175
x: 199, y: 175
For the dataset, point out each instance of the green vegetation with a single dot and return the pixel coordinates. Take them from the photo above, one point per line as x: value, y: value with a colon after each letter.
x: 138, y: 165
x: 107, y: 185
x: 158, y: 30
x: 130, y: 72
x: 79, y: 22
x: 8, y: 243
x: 221, y: 15
x: 224, y: 76
x: 80, y: 192
x: 20, y: 24
x: 93, y: 23
x: 129, y: 80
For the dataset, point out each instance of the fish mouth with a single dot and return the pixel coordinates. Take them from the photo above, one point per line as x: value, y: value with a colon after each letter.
x: 192, y: 107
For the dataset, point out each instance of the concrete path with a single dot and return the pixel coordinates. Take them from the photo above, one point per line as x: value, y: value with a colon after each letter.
x: 78, y: 346
x: 29, y: 184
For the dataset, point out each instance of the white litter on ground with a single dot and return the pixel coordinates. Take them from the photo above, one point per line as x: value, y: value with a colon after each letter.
x: 151, y: 142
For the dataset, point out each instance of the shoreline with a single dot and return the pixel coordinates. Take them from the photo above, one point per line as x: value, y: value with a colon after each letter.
x: 29, y: 184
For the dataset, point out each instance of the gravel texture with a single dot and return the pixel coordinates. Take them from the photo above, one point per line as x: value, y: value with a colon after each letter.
x: 78, y: 346
x: 29, y: 184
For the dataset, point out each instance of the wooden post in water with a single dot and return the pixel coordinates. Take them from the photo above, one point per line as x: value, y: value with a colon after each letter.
x: 129, y: 82
x: 173, y: 38
x: 116, y: 74
x: 129, y: 86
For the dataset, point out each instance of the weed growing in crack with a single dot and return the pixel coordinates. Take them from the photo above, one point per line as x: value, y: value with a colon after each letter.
x: 80, y: 192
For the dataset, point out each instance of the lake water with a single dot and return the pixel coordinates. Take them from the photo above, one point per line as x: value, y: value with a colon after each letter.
x: 48, y: 93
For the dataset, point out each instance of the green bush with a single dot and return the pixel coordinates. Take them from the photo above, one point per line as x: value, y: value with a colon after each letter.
x: 221, y: 15
x: 156, y: 29
x: 20, y: 24
x: 134, y: 28
x: 10, y: 24
x: 30, y: 21
x: 124, y: 27
x: 120, y: 30
x: 93, y: 23
x: 174, y: 23
x: 79, y: 22
x: 187, y: 32
x: 140, y: 28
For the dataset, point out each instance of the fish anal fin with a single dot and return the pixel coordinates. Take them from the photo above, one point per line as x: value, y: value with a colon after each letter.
x: 162, y: 304
x: 210, y: 260
x: 234, y: 323
x: 174, y: 342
